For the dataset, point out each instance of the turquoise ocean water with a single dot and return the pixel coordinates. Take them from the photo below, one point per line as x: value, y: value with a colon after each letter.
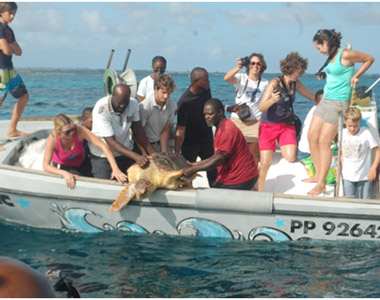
x: 118, y: 264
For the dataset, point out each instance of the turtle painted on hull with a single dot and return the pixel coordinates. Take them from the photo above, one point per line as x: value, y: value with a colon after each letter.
x: 164, y: 171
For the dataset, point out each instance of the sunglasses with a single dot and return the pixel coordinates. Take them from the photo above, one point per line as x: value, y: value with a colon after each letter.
x: 252, y: 63
x: 159, y: 70
x: 67, y: 132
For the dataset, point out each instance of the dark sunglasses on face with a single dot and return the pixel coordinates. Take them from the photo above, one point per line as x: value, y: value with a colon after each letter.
x: 252, y: 63
x: 159, y: 70
x: 67, y: 132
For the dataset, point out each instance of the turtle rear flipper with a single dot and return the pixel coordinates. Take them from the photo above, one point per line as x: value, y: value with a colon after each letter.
x: 144, y: 188
x: 124, y: 197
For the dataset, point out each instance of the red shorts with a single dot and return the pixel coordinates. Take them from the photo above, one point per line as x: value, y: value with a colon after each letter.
x: 269, y: 133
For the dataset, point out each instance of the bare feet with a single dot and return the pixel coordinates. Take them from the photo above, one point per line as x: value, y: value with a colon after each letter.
x: 2, y: 148
x: 15, y: 133
x: 310, y: 179
x: 317, y: 190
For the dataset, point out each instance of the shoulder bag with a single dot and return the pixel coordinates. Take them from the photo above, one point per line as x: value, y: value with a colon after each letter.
x: 243, y: 111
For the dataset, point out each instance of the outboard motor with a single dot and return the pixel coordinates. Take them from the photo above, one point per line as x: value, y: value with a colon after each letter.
x: 112, y: 78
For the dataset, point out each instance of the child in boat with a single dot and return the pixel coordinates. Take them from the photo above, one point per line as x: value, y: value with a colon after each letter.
x: 87, y: 122
x: 64, y: 153
x: 358, y: 172
x: 10, y: 81
x: 146, y: 85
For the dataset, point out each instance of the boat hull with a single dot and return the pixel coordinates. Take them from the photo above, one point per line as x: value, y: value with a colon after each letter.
x: 37, y: 199
x: 43, y: 201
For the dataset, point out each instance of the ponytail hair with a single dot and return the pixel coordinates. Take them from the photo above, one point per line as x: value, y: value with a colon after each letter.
x: 331, y: 36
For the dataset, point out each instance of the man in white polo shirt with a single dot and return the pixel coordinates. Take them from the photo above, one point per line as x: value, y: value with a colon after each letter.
x: 157, y: 111
x: 113, y: 116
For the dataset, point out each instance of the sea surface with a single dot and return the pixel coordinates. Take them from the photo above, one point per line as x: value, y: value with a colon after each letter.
x: 120, y: 264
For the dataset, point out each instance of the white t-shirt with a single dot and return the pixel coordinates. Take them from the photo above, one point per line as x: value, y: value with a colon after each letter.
x: 146, y: 87
x: 106, y: 123
x: 356, y: 151
x: 245, y: 88
x: 303, y: 144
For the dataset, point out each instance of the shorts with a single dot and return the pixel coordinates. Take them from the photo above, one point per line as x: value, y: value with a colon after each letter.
x: 248, y: 185
x: 283, y: 133
x: 204, y: 150
x: 330, y: 110
x: 13, y: 83
x: 250, y: 129
x: 101, y: 168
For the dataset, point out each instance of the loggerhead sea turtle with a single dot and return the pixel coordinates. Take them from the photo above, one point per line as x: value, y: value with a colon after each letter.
x: 164, y: 171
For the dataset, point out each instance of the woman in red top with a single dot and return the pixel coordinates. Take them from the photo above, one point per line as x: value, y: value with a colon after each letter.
x: 237, y: 169
x: 64, y: 152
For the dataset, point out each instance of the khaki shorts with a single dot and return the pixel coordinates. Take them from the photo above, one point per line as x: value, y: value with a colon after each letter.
x: 330, y: 110
x: 250, y: 129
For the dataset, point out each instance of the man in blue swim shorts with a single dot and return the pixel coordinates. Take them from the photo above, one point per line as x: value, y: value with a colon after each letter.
x: 10, y: 81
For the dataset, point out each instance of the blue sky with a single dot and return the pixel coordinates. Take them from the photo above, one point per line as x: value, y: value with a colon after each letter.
x: 187, y: 34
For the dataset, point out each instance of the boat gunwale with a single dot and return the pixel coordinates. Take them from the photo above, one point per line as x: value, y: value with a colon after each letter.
x: 275, y: 195
x: 115, y: 183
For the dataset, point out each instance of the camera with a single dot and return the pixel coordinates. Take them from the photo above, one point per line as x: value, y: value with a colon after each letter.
x: 320, y: 74
x: 283, y: 92
x: 245, y: 61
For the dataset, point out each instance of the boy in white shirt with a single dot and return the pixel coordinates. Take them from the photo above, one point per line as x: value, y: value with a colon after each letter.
x: 146, y: 85
x: 358, y: 170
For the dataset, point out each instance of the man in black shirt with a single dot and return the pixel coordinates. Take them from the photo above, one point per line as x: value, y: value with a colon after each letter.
x: 193, y: 136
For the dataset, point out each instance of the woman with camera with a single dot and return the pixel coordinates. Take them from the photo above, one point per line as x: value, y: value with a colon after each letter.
x: 340, y: 79
x: 277, y: 117
x: 250, y: 87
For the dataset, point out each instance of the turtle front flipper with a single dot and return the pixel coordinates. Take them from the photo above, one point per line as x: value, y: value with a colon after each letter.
x: 124, y: 197
x: 173, y: 180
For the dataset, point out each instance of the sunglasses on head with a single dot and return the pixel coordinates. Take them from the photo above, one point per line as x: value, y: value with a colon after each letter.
x: 159, y: 70
x: 67, y: 132
x: 252, y: 63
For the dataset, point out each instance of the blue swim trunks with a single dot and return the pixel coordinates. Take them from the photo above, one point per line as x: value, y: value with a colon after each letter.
x: 11, y: 82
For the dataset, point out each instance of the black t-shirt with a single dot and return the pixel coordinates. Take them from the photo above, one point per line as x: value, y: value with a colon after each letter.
x: 190, y: 115
x: 6, y: 33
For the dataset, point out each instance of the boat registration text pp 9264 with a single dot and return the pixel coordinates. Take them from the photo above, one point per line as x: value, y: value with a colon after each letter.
x: 340, y: 229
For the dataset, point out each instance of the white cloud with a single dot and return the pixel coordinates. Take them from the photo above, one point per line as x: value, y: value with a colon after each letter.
x: 245, y: 17
x: 136, y: 12
x: 300, y: 13
x: 214, y: 52
x: 187, y: 14
x: 94, y: 21
x: 33, y: 17
x: 363, y: 15
x: 170, y: 49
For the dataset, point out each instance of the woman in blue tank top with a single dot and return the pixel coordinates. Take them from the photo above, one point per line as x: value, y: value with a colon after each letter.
x: 340, y: 80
